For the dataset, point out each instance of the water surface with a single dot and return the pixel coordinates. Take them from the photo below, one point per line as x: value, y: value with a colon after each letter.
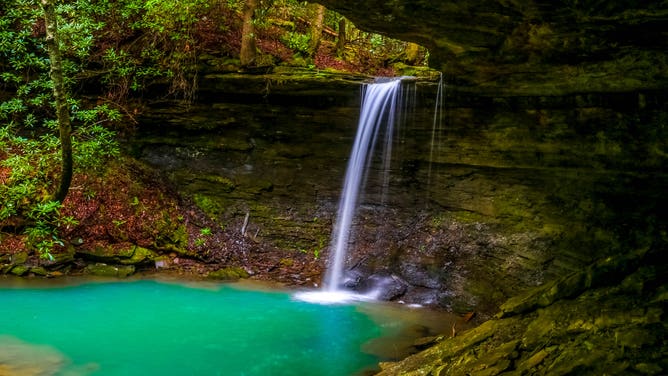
x: 158, y: 328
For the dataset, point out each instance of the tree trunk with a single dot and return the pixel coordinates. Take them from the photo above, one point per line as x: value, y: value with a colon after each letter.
x: 247, y: 54
x: 341, y: 41
x: 60, y: 94
x: 316, y: 29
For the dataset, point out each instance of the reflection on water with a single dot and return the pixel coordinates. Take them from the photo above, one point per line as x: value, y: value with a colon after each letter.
x: 404, y: 325
x: 25, y: 359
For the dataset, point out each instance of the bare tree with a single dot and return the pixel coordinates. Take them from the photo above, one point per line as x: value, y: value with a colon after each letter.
x: 341, y: 38
x: 248, y: 52
x: 60, y: 94
x: 316, y: 29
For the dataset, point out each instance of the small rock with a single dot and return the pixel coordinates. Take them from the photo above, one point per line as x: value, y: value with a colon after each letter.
x: 19, y: 258
x: 4, y: 269
x: 161, y: 263
x: 38, y: 270
x: 231, y: 273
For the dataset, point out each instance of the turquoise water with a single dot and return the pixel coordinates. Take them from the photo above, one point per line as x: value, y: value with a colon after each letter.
x: 156, y: 328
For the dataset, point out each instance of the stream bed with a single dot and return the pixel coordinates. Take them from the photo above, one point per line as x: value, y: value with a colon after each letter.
x: 150, y: 327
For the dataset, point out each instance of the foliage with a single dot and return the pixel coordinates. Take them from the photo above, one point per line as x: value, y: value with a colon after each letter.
x: 297, y: 41
x: 288, y: 9
x: 119, y: 47
x: 204, y: 233
x: 43, y: 234
x: 141, y: 41
x: 29, y: 158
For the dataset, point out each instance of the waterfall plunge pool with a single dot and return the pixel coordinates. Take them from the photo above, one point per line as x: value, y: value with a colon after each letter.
x: 150, y: 327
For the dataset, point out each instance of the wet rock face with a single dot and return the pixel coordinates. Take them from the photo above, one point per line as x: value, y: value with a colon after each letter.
x: 515, y: 191
x: 529, y: 46
x: 607, y: 319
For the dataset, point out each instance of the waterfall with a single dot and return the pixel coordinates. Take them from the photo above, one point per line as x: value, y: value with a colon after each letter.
x: 385, y: 105
x: 380, y: 102
x: 437, y: 126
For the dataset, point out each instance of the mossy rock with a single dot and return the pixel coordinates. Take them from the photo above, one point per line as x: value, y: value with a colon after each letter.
x: 252, y: 186
x: 106, y: 253
x: 209, y: 205
x: 104, y: 270
x: 19, y: 270
x: 130, y: 255
x: 19, y: 258
x: 603, y: 272
x: 39, y: 270
x: 140, y: 255
x: 172, y: 235
x: 211, y: 183
x: 180, y: 236
x: 60, y: 259
x: 232, y: 273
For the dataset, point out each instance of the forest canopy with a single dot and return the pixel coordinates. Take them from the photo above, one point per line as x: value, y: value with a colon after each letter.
x: 112, y: 51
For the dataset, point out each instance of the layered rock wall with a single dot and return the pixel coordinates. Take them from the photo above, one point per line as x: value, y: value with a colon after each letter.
x: 516, y: 190
x: 530, y: 47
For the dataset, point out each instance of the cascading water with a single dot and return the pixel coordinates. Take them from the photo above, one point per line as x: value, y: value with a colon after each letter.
x: 437, y: 127
x: 381, y: 110
x: 380, y: 101
x: 379, y: 107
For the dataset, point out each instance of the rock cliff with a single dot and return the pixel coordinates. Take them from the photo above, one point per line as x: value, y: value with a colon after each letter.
x: 513, y: 192
x: 530, y: 46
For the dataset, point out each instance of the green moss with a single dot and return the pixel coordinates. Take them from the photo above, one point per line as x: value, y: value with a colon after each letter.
x: 208, y: 204
x: 129, y: 255
x: 19, y: 258
x: 466, y: 216
x: 254, y: 186
x: 552, y: 230
x: 140, y: 255
x: 19, y: 270
x: 403, y: 69
x: 106, y: 253
x: 180, y: 235
x: 287, y: 262
x: 170, y: 233
x: 104, y: 270
x: 231, y: 273
x: 222, y: 183
x: 38, y: 270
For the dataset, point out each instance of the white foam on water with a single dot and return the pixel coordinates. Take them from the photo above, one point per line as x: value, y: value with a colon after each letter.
x: 327, y: 297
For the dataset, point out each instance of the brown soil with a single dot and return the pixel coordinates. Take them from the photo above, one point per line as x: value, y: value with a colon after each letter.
x: 131, y: 205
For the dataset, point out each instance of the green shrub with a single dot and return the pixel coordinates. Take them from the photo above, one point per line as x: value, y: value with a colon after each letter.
x: 297, y: 42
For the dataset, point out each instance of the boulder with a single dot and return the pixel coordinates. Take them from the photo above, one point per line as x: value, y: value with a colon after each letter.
x: 19, y: 258
x: 128, y: 254
x: 19, y: 270
x: 230, y: 273
x: 104, y: 270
